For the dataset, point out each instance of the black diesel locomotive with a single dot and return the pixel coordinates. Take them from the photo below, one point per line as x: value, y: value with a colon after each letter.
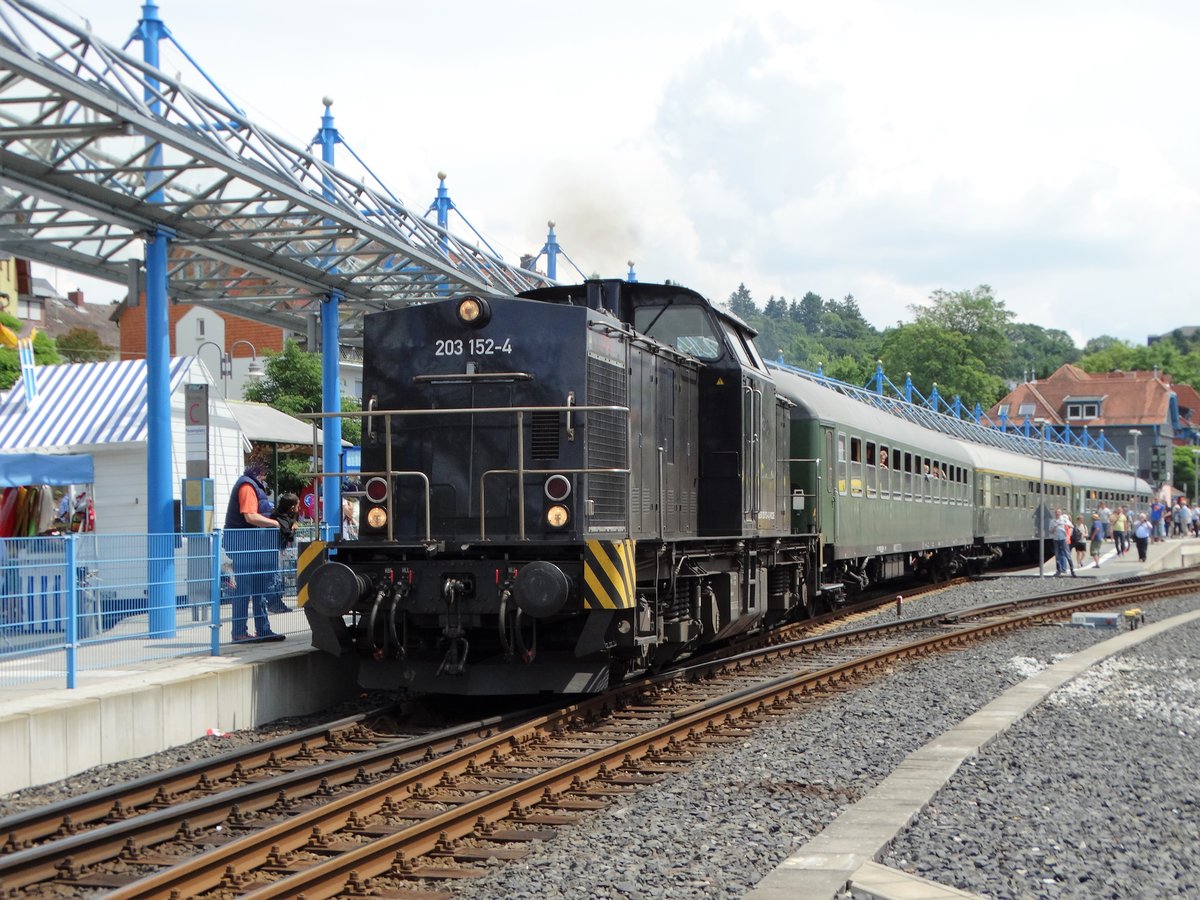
x: 562, y: 488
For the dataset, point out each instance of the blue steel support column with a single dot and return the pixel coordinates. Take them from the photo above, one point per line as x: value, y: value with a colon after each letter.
x: 632, y: 276
x: 879, y: 377
x: 331, y: 395
x: 160, y: 491
x: 159, y: 488
x: 442, y: 204
x: 71, y: 591
x: 551, y: 250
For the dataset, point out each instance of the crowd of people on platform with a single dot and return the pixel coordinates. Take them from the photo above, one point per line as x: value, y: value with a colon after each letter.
x: 1123, y: 527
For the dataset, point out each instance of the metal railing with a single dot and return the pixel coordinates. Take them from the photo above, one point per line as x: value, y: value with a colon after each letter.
x: 75, y: 603
x: 520, y: 470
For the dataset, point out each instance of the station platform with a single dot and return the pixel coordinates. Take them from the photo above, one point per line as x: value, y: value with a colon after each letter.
x: 843, y: 856
x: 51, y: 732
x: 1172, y: 553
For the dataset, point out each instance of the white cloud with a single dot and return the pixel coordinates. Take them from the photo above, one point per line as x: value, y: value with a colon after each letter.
x: 874, y: 148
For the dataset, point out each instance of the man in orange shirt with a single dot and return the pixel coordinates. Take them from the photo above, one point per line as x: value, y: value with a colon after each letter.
x: 253, y: 549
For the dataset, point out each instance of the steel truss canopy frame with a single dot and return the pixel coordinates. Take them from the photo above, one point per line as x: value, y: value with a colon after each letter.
x: 259, y: 227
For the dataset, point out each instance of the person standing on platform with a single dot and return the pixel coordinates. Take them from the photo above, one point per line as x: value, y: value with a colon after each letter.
x: 1156, y: 520
x: 1120, y: 531
x: 1060, y: 532
x: 286, y: 512
x: 1079, y: 541
x: 1105, y: 515
x: 254, y: 550
x: 1182, y: 520
x: 1096, y: 542
x: 1141, y: 536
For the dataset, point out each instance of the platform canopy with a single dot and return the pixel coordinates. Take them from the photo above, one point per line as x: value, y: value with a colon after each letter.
x: 99, y: 150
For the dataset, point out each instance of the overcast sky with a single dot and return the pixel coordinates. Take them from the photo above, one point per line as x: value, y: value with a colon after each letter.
x: 883, y: 149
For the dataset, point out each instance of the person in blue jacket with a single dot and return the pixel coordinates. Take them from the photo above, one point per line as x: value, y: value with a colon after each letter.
x: 254, y: 550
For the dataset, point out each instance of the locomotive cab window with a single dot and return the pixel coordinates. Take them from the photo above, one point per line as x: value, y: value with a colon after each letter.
x: 743, y: 347
x: 689, y: 329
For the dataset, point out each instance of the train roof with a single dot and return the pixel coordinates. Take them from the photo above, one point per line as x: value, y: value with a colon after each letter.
x: 965, y: 429
x: 994, y: 459
x: 825, y: 403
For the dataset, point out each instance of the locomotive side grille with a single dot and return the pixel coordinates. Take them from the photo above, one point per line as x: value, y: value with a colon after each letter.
x: 607, y: 442
x: 543, y: 442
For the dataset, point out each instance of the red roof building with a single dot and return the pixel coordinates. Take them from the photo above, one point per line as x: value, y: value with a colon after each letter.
x: 1143, y: 414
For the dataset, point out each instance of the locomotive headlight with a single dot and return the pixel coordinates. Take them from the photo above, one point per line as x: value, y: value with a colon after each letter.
x: 376, y: 490
x: 473, y: 311
x: 557, y: 516
x: 376, y: 516
x: 558, y: 487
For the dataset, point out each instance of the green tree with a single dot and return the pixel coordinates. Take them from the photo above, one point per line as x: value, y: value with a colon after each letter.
x: 811, y: 309
x: 978, y: 316
x: 80, y: 345
x: 1100, y: 344
x: 741, y: 304
x: 1126, y: 357
x: 292, y: 384
x: 1184, y: 470
x: 776, y: 308
x: 942, y: 356
x: 1037, y: 351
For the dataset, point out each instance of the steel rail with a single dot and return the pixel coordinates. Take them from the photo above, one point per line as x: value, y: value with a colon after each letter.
x: 23, y: 867
x: 390, y: 855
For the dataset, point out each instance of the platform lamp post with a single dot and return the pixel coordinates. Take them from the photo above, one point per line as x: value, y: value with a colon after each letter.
x: 1041, y: 510
x: 1135, y: 434
x: 1195, y: 474
x: 254, y: 372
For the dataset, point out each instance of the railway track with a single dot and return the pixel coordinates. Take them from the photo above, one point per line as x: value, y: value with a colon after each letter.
x: 395, y: 818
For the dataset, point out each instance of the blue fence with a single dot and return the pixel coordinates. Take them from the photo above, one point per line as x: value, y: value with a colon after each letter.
x: 80, y: 602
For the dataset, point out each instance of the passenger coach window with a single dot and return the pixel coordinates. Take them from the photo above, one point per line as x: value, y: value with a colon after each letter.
x: 841, y: 458
x: 856, y: 467
x: 872, y: 470
x: 908, y: 476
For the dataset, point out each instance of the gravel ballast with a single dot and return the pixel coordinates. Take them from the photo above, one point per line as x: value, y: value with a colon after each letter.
x: 1052, y: 800
x: 716, y: 831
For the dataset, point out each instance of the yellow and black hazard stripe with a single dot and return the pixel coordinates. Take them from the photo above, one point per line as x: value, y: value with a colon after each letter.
x: 609, y: 574
x: 309, y: 559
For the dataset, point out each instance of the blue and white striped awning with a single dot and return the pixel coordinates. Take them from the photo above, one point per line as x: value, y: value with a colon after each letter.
x: 85, y: 403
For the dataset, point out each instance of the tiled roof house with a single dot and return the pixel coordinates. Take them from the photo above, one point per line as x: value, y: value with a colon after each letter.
x: 1142, y: 414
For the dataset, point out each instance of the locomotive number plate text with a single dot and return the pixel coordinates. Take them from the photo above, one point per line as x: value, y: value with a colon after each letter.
x: 472, y: 347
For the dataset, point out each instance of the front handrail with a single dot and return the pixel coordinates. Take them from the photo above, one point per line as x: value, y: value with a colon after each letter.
x: 520, y: 471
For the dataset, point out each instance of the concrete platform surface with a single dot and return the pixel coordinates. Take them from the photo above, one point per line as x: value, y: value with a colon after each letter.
x: 47, y: 734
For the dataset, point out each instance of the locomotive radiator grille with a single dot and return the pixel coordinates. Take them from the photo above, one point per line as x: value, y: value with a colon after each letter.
x: 543, y: 442
x: 607, y: 439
